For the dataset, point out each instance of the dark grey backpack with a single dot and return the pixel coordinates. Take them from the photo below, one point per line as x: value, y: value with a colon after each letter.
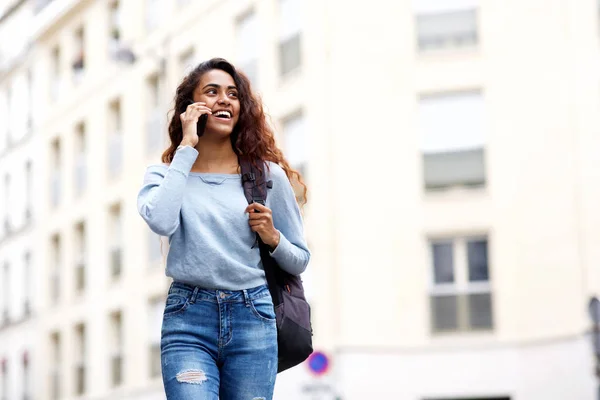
x: 294, y: 330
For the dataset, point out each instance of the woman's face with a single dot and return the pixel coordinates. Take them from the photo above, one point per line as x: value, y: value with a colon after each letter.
x: 217, y: 89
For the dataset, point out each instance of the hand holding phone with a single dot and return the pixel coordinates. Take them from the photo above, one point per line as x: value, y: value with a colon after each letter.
x: 193, y: 122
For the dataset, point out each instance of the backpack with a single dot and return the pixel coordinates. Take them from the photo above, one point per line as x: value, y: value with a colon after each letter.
x: 292, y: 311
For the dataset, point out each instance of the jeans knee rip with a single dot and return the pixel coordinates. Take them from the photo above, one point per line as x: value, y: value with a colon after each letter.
x: 193, y: 376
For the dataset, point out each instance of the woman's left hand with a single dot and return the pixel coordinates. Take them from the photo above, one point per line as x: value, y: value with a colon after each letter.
x: 261, y: 222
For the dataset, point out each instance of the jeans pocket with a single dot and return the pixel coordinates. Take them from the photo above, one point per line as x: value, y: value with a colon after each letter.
x: 263, y: 309
x: 176, y: 303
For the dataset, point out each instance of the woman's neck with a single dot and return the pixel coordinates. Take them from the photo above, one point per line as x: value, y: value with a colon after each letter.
x: 215, y: 156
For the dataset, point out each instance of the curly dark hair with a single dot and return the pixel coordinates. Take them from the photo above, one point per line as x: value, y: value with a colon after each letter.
x: 251, y: 137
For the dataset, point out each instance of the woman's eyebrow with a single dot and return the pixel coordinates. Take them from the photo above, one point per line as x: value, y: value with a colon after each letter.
x: 218, y: 86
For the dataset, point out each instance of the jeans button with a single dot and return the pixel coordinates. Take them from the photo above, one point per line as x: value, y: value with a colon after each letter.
x: 222, y: 295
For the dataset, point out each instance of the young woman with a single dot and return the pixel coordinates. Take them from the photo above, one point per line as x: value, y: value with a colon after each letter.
x: 219, y: 339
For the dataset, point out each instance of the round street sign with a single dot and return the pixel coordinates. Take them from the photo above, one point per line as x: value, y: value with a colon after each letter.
x: 318, y: 363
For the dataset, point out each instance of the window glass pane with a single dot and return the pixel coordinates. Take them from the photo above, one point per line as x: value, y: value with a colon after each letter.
x: 451, y: 122
x: 452, y: 29
x: 443, y: 262
x: 290, y: 20
x: 294, y: 139
x: 444, y: 313
x: 480, y: 310
x: 466, y: 168
x: 452, y: 139
x: 187, y: 61
x: 247, y: 38
x: 477, y: 253
x: 290, y: 54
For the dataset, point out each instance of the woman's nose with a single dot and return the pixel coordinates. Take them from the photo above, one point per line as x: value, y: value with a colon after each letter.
x: 223, y: 99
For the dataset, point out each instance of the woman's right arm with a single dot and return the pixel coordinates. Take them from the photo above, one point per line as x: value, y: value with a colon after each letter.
x: 159, y: 200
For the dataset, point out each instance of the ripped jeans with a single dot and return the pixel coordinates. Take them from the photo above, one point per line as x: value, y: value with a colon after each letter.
x: 218, y: 344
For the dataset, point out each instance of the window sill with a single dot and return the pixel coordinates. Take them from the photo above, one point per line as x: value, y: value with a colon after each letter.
x: 451, y: 53
x: 457, y: 191
x: 463, y: 339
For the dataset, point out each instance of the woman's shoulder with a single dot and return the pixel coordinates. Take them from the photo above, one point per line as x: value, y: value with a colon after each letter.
x: 160, y: 168
x: 275, y: 172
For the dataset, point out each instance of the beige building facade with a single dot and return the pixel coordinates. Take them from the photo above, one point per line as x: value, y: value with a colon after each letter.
x: 452, y: 154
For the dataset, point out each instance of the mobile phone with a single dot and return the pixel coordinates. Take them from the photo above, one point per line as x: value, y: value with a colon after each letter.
x: 201, y: 124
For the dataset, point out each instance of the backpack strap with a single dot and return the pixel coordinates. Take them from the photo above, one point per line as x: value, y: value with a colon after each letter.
x: 254, y: 184
x: 253, y: 181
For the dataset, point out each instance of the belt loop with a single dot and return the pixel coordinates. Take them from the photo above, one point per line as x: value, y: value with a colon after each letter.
x: 194, y: 295
x: 246, y: 297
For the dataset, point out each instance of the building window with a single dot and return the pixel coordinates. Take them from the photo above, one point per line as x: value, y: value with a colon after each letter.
x: 80, y: 158
x: 154, y: 13
x: 116, y: 345
x: 187, y: 61
x: 28, y: 191
x: 290, y: 27
x: 56, y: 172
x: 26, y: 377
x: 27, y: 283
x: 154, y: 122
x: 5, y: 380
x: 116, y: 226
x: 461, y: 298
x: 4, y: 116
x: 115, y: 34
x: 7, y: 205
x: 78, y: 65
x: 452, y: 140
x: 80, y: 360
x: 55, y: 366
x: 55, y: 269
x: 446, y: 25
x: 115, y: 139
x: 247, y: 45
x: 80, y: 256
x: 294, y: 139
x: 56, y: 76
x: 155, y: 314
x: 6, y: 293
x: 29, y: 101
x: 294, y: 143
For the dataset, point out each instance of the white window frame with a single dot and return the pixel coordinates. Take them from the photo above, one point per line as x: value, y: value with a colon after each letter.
x: 116, y: 239
x: 155, y: 138
x: 116, y: 346
x: 290, y: 28
x: 461, y: 285
x: 248, y: 44
x: 432, y: 8
x: 115, y: 138
x: 80, y: 359
x: 440, y: 117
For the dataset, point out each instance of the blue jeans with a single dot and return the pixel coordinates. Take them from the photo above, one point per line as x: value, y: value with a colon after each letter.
x: 218, y: 344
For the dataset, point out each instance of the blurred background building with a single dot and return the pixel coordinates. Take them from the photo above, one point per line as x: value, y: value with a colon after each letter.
x: 452, y: 151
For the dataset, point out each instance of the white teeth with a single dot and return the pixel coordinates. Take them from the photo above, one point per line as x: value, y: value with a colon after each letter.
x: 223, y: 113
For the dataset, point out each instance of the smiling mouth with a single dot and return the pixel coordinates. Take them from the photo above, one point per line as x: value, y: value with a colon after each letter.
x: 225, y: 115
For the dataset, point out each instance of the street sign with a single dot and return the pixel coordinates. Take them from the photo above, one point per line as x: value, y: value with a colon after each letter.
x: 318, y: 363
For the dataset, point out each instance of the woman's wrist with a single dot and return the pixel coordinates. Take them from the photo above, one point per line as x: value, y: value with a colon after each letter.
x: 274, y: 242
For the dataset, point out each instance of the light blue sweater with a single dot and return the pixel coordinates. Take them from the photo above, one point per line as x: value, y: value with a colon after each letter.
x: 209, y: 235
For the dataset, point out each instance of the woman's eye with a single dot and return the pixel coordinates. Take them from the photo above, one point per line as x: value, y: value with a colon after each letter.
x: 212, y: 91
x: 233, y: 94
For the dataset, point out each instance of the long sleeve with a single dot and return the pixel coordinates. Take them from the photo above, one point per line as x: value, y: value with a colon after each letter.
x: 292, y: 253
x: 160, y: 198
